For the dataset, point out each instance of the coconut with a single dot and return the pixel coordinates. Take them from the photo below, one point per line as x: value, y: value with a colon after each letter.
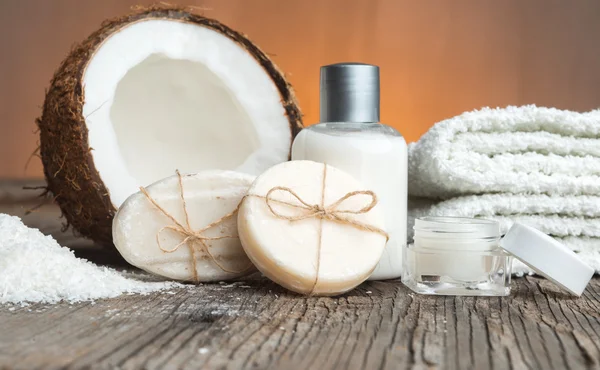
x: 155, y: 91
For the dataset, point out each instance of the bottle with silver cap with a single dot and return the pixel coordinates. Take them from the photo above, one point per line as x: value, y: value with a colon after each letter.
x: 351, y: 138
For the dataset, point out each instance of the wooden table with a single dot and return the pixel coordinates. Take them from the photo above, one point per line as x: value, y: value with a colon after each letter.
x: 256, y: 324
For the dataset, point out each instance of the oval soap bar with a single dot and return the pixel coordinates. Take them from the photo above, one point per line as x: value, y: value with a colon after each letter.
x: 147, y: 237
x: 295, y: 247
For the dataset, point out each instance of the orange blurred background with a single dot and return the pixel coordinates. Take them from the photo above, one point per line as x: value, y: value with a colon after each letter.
x: 438, y: 58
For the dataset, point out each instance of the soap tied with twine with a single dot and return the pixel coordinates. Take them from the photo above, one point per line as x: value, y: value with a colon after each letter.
x: 291, y: 211
x: 196, y: 240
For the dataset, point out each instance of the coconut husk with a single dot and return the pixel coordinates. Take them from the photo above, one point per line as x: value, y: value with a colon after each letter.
x: 69, y: 168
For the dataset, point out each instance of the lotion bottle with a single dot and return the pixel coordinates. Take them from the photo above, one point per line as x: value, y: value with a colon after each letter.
x: 351, y: 138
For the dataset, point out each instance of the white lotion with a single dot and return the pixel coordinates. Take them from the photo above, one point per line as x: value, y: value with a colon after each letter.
x: 378, y: 161
x: 352, y: 140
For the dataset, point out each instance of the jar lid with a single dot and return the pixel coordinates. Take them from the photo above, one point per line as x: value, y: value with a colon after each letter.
x: 547, y: 257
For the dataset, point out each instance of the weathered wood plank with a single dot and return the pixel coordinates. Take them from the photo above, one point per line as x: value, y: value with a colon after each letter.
x: 233, y: 326
x: 256, y: 324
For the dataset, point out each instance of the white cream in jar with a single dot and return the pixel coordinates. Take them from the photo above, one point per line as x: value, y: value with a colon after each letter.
x: 457, y: 256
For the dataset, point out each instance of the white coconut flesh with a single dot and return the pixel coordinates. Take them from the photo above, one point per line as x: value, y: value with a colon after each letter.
x: 162, y: 95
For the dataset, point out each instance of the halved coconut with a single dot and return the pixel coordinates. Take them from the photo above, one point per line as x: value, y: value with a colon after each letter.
x: 155, y: 91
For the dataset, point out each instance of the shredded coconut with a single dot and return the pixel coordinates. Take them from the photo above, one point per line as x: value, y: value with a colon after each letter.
x: 35, y: 268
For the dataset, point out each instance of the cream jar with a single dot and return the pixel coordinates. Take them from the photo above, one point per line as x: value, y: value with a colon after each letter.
x: 457, y: 256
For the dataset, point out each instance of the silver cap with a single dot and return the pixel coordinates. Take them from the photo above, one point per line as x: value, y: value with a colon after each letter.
x: 349, y: 93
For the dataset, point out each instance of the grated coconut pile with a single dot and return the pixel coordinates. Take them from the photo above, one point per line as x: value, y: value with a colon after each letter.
x: 35, y: 268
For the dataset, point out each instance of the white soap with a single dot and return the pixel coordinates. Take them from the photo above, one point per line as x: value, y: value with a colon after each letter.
x: 149, y: 239
x: 288, y: 252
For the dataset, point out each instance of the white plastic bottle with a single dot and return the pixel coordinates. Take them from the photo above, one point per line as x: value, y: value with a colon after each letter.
x: 351, y: 138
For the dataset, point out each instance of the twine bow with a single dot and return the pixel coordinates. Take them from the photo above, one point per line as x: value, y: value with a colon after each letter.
x: 332, y: 212
x: 190, y: 236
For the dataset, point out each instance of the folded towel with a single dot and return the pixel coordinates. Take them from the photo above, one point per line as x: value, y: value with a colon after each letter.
x: 573, y: 220
x: 514, y: 150
x: 538, y: 166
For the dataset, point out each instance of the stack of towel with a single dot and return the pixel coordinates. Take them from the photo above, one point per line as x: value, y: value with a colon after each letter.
x: 539, y: 166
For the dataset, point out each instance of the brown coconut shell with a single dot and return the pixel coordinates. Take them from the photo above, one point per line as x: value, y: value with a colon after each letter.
x: 69, y: 168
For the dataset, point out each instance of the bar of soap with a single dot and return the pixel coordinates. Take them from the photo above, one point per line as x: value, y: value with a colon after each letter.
x: 287, y: 251
x: 209, y: 196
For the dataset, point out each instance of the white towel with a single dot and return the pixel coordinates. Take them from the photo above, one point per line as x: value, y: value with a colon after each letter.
x: 539, y: 166
x: 514, y: 150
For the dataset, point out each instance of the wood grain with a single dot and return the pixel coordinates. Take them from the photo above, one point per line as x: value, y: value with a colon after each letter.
x: 255, y: 324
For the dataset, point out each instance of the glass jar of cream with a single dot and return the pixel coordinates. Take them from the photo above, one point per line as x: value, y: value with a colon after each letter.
x: 457, y: 256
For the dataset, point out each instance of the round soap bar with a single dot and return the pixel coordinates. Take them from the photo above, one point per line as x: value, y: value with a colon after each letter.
x: 147, y: 237
x: 300, y: 250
